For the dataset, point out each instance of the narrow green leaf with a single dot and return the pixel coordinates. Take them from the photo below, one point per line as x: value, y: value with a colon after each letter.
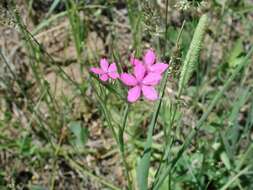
x: 233, y: 179
x: 162, y: 177
x: 144, y: 161
x: 110, y: 87
x: 135, y: 19
x: 224, y: 158
x: 52, y: 7
x: 80, y: 133
x: 241, y: 100
x: 234, y: 133
x: 234, y: 57
x: 227, y: 146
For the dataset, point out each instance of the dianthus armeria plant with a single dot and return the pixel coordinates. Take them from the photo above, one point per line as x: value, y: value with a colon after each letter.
x: 158, y: 144
x: 147, y: 74
x: 147, y: 78
x: 143, y: 78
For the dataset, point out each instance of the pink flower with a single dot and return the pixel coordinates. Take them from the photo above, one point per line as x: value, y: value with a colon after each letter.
x: 141, y: 82
x: 149, y: 61
x: 105, y: 71
x: 134, y: 61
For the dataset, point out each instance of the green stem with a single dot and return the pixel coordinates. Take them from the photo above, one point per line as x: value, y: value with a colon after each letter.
x: 230, y: 182
x: 106, y: 113
x: 187, y: 142
x: 144, y: 163
x: 85, y: 172
x: 122, y: 146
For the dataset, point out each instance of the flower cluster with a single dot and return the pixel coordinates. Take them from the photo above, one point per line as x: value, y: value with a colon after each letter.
x: 147, y: 73
x: 106, y: 71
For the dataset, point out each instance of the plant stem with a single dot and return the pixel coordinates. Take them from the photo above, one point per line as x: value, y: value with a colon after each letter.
x: 122, y: 146
x: 85, y: 172
x: 187, y: 142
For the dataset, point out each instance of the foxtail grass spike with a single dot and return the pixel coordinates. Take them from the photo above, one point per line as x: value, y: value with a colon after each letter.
x: 193, y: 53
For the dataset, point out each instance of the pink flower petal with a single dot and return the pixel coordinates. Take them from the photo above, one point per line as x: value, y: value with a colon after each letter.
x: 104, y: 64
x: 152, y: 79
x: 96, y: 70
x: 139, y: 71
x: 134, y: 61
x: 112, y: 68
x: 128, y: 79
x: 113, y: 75
x: 158, y: 68
x: 104, y: 77
x: 112, y: 71
x: 149, y: 57
x: 134, y: 94
x: 149, y: 92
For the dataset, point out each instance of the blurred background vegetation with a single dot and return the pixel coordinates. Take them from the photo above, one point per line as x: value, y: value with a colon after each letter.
x: 54, y: 130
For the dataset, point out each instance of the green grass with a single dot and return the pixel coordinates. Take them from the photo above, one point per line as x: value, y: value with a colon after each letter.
x: 84, y: 134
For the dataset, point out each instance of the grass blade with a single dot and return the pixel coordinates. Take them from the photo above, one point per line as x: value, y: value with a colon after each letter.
x: 231, y: 181
x: 218, y: 96
x: 144, y: 162
x: 84, y: 173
